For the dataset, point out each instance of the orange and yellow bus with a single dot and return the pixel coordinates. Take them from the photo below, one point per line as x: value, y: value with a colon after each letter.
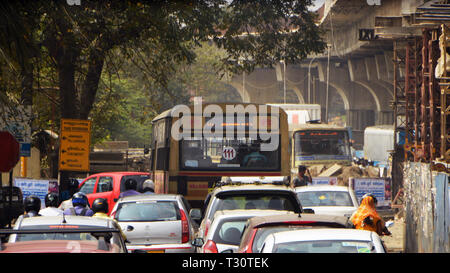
x: 193, y: 147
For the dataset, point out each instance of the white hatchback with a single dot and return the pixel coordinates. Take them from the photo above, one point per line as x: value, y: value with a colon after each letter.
x: 328, y: 199
x: 323, y: 240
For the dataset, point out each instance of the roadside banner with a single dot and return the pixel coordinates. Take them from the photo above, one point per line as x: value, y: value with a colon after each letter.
x: 379, y: 187
x: 38, y: 187
x: 324, y: 181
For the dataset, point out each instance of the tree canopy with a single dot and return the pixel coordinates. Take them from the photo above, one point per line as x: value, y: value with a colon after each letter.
x: 84, y: 61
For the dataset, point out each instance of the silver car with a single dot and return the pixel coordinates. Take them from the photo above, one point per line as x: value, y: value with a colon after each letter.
x: 227, y: 227
x: 155, y: 223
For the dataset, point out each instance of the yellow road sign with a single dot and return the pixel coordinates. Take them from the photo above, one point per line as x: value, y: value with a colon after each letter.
x: 75, y: 144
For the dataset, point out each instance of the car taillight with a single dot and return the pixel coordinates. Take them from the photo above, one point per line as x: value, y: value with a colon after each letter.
x: 207, y: 225
x: 210, y: 247
x: 184, y: 228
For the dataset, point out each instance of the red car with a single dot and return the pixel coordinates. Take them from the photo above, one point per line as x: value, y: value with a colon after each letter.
x: 61, y: 246
x: 110, y: 185
x: 258, y: 228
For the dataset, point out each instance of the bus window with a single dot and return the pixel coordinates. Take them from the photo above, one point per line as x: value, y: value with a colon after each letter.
x: 227, y: 154
x: 160, y: 150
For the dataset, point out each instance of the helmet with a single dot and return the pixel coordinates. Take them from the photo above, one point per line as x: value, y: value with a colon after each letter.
x: 148, y: 185
x: 73, y: 183
x: 79, y: 199
x: 51, y: 200
x: 32, y: 203
x: 100, y: 205
x: 371, y: 195
x: 130, y: 184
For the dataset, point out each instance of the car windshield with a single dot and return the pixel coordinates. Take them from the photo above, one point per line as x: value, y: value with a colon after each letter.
x: 229, y: 232
x: 227, y: 154
x: 146, y: 211
x: 321, y: 145
x: 254, y: 201
x: 325, y: 198
x: 325, y: 246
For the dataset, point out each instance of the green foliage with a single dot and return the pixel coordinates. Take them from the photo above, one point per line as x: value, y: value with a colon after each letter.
x: 120, y: 63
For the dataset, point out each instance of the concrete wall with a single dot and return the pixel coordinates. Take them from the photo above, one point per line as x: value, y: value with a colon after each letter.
x: 427, y: 209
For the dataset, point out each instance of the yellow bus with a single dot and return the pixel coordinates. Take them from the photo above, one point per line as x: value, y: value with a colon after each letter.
x: 194, y: 146
x: 314, y: 144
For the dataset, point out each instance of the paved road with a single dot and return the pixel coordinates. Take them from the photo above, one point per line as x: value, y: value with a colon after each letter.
x: 395, y: 242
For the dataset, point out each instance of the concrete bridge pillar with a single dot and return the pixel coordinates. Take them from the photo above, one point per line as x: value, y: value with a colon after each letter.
x: 364, y: 73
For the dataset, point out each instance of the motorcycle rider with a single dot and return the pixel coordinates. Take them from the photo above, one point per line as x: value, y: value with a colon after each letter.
x: 32, y: 205
x: 73, y: 188
x: 130, y: 188
x: 80, y: 206
x: 51, y: 205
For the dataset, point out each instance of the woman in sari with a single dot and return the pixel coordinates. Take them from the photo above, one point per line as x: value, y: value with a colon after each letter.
x: 367, y: 218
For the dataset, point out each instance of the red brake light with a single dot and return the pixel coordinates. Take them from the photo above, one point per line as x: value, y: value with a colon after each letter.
x: 184, y: 228
x: 299, y: 222
x: 210, y: 247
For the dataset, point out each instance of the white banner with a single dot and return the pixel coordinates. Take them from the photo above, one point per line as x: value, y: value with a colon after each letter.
x: 324, y: 180
x: 37, y: 187
x: 379, y: 187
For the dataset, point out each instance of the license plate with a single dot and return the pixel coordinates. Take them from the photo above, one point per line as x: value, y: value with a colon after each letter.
x: 155, y: 251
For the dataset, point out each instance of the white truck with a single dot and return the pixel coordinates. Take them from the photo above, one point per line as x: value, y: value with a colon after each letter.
x: 300, y: 113
x: 378, y: 143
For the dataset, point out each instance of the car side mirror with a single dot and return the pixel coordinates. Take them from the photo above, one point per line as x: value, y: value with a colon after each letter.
x: 197, y: 242
x: 195, y: 214
x: 311, y: 211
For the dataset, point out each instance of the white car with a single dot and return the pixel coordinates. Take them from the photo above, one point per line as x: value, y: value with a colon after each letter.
x: 328, y: 199
x: 324, y: 240
x: 227, y: 227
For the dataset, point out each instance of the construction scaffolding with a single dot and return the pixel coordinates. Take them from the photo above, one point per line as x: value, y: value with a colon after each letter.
x: 420, y: 95
x: 444, y: 95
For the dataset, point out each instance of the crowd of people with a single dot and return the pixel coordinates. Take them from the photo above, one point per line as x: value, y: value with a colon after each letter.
x: 78, y: 204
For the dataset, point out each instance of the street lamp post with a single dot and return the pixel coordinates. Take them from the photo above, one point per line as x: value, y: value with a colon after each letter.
x: 309, y: 79
x: 284, y: 81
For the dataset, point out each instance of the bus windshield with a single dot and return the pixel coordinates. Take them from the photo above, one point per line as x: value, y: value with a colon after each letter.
x: 321, y: 145
x: 227, y: 154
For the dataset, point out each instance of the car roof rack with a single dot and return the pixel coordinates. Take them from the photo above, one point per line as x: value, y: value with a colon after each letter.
x: 228, y: 181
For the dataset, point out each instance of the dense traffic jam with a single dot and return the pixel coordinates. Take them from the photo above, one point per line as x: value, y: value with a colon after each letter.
x: 240, y: 215
x: 206, y: 193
